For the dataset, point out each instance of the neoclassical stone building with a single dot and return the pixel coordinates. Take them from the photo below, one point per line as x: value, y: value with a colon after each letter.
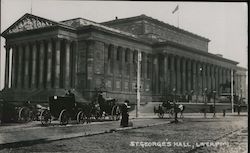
x: 45, y: 57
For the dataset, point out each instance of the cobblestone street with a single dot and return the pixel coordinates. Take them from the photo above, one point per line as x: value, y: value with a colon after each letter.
x: 189, y: 135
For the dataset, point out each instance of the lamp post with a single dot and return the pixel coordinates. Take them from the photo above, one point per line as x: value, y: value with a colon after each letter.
x: 138, y: 95
x: 175, y: 112
x: 214, y: 92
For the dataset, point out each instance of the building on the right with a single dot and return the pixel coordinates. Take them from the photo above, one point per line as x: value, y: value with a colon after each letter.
x: 241, y: 84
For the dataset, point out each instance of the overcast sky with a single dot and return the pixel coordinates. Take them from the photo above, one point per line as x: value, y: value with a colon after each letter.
x: 225, y: 24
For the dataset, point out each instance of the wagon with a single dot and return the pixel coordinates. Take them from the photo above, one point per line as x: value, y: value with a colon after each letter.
x: 161, y: 111
x: 16, y: 112
x: 63, y: 109
x: 108, y: 107
x: 169, y: 108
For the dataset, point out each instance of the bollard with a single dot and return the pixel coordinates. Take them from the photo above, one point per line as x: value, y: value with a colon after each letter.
x: 224, y: 112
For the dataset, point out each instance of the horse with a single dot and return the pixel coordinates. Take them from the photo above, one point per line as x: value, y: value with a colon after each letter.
x: 176, y: 108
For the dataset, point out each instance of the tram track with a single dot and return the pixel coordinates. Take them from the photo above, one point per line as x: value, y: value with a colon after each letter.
x: 195, y: 149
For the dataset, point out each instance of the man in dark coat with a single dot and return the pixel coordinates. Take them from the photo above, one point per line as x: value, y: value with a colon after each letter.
x: 125, y: 115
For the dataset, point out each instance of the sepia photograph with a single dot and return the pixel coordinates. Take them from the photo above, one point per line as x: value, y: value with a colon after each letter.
x: 123, y: 76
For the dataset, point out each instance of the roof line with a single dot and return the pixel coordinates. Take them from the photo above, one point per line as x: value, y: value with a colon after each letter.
x: 196, y: 51
x: 41, y: 18
x: 143, y: 16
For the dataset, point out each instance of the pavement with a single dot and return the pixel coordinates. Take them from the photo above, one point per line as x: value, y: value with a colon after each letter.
x: 14, y: 134
x: 34, y: 131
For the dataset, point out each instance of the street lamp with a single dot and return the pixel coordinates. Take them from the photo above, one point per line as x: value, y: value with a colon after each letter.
x: 175, y: 111
x: 214, y: 92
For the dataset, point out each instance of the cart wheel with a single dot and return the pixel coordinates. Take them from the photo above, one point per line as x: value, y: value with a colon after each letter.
x: 24, y: 114
x: 171, y: 113
x: 80, y: 117
x: 63, y: 117
x: 116, y: 113
x: 45, y: 117
x: 160, y: 115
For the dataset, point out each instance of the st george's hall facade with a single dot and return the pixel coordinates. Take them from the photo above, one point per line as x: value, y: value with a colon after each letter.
x: 45, y: 57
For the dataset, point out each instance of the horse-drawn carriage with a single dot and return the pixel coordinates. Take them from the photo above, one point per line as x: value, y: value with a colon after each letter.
x: 169, y: 108
x: 66, y: 108
x: 108, y: 107
x: 17, y: 111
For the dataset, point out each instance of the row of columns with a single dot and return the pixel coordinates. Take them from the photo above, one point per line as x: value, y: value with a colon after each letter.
x: 168, y: 71
x: 40, y: 64
x: 49, y: 63
x: 188, y: 75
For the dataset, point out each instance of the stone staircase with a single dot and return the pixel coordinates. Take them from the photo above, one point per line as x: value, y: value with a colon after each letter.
x: 189, y: 107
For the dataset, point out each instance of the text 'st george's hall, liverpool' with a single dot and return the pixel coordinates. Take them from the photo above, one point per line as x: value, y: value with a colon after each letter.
x: 45, y: 57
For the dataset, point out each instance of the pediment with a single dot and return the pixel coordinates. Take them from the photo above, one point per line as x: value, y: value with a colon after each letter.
x: 29, y: 22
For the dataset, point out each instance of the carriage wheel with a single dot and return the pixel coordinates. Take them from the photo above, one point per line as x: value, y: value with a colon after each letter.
x: 63, y: 117
x: 80, y: 117
x: 116, y: 113
x: 45, y: 117
x: 160, y: 115
x: 24, y: 114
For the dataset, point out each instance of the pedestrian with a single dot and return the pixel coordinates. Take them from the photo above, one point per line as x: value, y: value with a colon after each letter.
x: 239, y: 109
x: 125, y: 115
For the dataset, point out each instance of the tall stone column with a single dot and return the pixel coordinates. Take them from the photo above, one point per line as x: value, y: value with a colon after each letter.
x: 220, y: 79
x: 224, y: 75
x: 75, y: 52
x: 204, y: 77
x: 156, y: 63
x: 26, y: 66
x: 115, y: 67
x: 123, y: 70
x: 213, y: 78
x: 194, y: 77
x: 33, y: 71
x: 49, y: 64
x: 14, y: 67
x: 216, y: 79
x: 7, y: 66
x: 67, y: 65
x: 165, y: 74
x: 144, y: 60
x: 189, y: 67
x: 57, y: 63
x: 106, y: 60
x: 183, y: 82
x: 41, y: 64
x: 20, y: 66
x: 228, y: 75
x: 178, y: 75
x: 173, y: 73
x: 208, y: 78
x: 131, y: 75
x: 199, y: 85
